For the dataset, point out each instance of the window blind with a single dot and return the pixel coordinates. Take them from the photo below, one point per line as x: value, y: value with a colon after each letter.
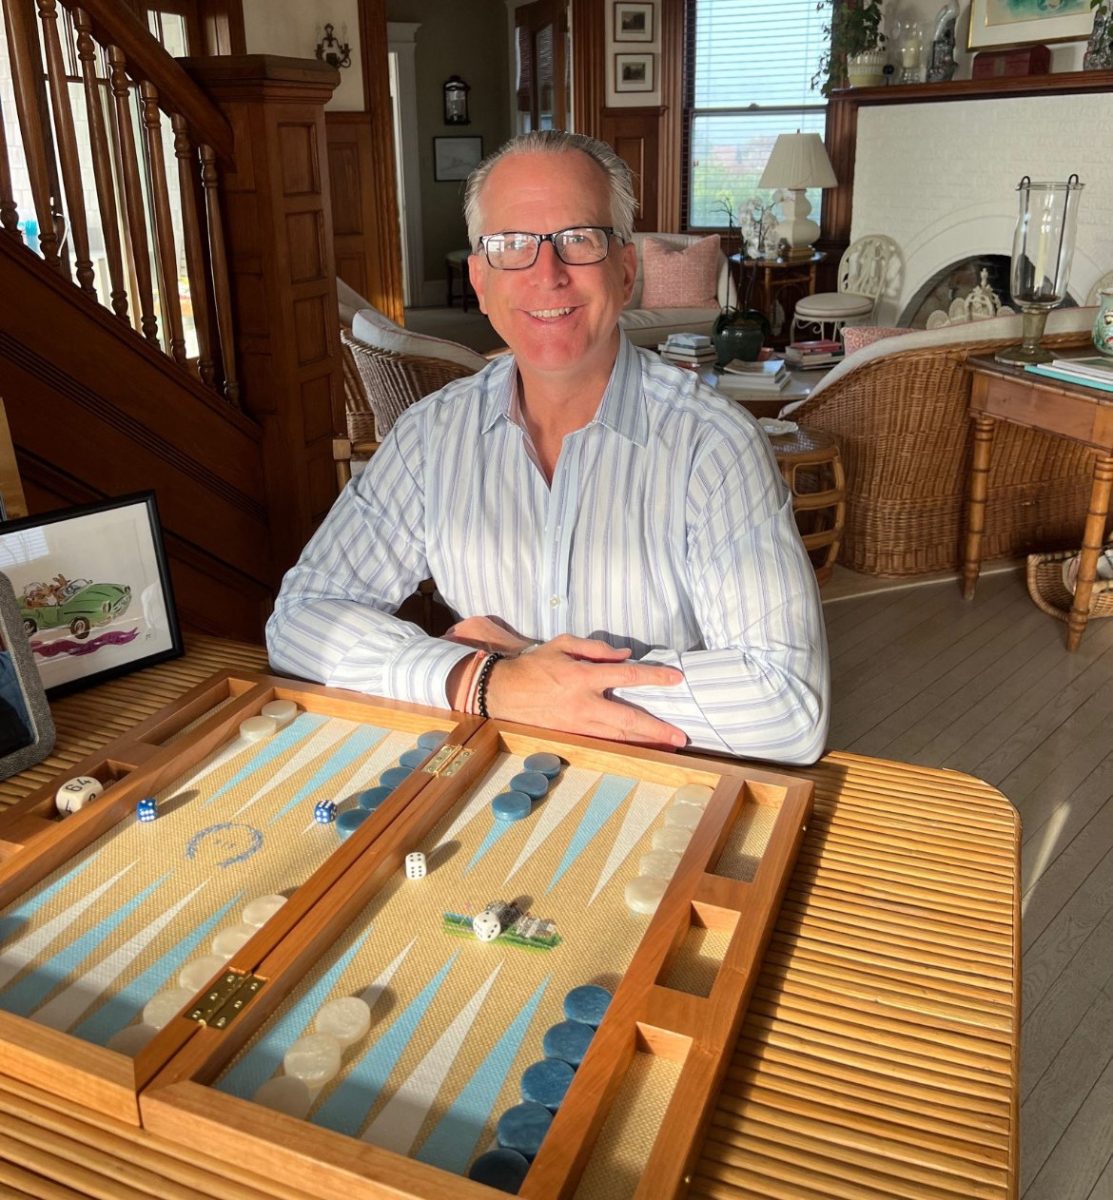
x: 748, y: 71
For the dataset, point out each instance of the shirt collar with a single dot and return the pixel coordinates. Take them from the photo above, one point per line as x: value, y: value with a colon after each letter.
x: 621, y: 409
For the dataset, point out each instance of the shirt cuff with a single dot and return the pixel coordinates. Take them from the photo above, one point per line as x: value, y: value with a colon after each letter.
x: 418, y: 673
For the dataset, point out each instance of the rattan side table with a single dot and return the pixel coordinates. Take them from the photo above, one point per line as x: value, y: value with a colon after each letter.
x: 810, y: 463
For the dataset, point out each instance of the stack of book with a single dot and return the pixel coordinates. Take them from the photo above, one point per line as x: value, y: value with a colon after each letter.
x: 768, y: 375
x: 1095, y: 372
x: 691, y: 350
x: 821, y: 353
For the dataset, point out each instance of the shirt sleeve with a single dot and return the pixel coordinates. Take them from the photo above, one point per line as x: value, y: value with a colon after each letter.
x: 759, y: 687
x: 332, y: 621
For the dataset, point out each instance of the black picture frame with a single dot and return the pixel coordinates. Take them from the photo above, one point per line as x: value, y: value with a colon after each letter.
x: 93, y: 590
x: 454, y: 158
x: 26, y: 726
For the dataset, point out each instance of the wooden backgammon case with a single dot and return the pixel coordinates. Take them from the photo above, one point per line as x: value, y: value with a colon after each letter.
x: 454, y: 1020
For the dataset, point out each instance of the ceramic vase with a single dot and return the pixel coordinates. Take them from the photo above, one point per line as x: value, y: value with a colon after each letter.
x: 1103, y: 323
x: 866, y: 69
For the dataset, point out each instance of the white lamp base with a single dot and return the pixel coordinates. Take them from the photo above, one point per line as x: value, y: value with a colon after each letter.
x: 795, y: 226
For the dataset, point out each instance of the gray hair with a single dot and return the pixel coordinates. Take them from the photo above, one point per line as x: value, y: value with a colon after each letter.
x: 620, y: 180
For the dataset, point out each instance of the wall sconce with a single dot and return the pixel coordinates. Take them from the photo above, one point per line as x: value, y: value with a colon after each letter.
x: 333, y: 51
x: 456, y: 101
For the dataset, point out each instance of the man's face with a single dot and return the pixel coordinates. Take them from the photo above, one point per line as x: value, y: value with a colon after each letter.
x: 557, y: 319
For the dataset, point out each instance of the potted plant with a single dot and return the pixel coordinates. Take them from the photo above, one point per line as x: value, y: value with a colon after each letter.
x: 739, y: 331
x: 856, y: 52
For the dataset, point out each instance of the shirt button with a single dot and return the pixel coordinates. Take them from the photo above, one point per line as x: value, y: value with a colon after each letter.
x: 554, y: 601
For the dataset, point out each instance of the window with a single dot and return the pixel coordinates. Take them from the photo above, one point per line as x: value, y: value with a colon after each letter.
x: 747, y: 79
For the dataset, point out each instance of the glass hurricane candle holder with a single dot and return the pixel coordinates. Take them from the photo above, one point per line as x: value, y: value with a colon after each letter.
x: 1043, y: 246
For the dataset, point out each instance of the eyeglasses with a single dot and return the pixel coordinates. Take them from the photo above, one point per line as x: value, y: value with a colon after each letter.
x: 579, y: 246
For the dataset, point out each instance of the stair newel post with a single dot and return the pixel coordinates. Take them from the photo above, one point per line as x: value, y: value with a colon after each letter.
x: 133, y: 194
x: 218, y: 258
x: 274, y: 195
x: 102, y: 162
x: 188, y: 179
x: 166, y: 256
x: 67, y: 146
x: 26, y: 75
x: 9, y: 214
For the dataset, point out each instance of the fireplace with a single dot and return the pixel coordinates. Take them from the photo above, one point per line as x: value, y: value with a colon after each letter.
x: 940, y: 179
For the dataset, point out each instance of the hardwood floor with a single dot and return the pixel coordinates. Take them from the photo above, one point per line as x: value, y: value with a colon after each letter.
x: 988, y: 688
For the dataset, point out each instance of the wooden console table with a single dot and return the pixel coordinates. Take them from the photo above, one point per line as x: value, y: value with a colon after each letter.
x: 775, y: 277
x: 879, y: 1054
x: 1002, y: 392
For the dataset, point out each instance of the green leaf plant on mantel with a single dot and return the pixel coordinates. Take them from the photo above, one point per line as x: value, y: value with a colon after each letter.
x: 856, y: 51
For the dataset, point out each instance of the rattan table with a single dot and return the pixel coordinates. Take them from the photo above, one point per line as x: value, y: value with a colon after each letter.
x: 879, y: 1054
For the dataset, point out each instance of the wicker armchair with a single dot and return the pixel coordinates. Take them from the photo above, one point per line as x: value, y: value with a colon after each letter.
x: 900, y: 416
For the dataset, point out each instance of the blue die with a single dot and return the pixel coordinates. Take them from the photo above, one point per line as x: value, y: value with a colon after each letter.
x: 324, y: 812
x: 146, y: 810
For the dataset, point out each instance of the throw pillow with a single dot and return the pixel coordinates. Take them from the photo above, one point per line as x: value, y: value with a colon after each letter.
x: 855, y: 337
x: 680, y: 276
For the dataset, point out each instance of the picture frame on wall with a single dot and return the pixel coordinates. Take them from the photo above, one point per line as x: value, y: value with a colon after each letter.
x: 455, y: 158
x: 633, y: 72
x: 633, y: 22
x: 1018, y: 22
x: 93, y: 590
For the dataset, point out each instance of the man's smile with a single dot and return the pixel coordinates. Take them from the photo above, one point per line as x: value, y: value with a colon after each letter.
x: 548, y: 314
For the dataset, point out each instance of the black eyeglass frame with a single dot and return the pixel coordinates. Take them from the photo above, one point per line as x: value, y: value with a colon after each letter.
x: 551, y: 239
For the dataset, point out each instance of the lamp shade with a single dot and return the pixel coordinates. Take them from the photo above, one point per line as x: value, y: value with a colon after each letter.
x: 799, y: 160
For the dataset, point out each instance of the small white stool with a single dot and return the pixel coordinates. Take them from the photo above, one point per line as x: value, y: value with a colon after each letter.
x: 830, y: 309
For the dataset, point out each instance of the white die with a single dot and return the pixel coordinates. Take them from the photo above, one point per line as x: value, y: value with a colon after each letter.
x: 76, y: 793
x: 486, y: 926
x: 415, y: 865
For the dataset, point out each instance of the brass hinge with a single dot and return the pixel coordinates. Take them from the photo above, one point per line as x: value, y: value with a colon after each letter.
x: 220, y: 1006
x: 447, y: 761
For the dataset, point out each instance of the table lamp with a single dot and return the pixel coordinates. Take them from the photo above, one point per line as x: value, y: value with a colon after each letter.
x: 799, y: 161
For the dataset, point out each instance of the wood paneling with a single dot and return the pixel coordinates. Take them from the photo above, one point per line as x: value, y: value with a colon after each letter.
x: 589, y: 47
x: 633, y: 132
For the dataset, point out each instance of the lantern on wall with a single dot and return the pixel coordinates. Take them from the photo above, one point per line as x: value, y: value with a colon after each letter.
x: 456, y: 101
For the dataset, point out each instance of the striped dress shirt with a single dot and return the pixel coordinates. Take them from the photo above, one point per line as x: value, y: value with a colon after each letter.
x: 666, y: 528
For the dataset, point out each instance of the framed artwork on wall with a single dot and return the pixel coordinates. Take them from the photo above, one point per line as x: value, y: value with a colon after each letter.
x: 1016, y: 22
x: 633, y: 72
x: 455, y: 157
x: 93, y: 590
x: 633, y: 22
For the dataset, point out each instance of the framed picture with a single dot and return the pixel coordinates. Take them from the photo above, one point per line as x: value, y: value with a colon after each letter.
x: 1015, y: 22
x: 633, y: 22
x: 26, y: 727
x: 456, y: 157
x: 93, y: 590
x: 633, y: 72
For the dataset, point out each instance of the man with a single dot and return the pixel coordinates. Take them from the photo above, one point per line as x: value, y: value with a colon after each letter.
x: 616, y: 530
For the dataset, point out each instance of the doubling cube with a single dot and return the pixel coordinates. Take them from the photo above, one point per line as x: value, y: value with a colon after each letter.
x: 415, y: 865
x: 76, y: 793
x: 324, y: 812
x: 146, y: 809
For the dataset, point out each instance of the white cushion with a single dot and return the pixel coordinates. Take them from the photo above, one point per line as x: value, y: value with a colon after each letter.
x: 649, y: 326
x: 350, y: 302
x: 371, y: 327
x: 834, y: 304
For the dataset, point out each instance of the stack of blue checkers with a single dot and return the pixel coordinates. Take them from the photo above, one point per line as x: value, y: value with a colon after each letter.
x: 521, y: 1129
x: 529, y: 785
x: 370, y: 799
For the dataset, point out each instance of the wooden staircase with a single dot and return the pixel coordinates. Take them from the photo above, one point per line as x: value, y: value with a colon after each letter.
x: 173, y: 326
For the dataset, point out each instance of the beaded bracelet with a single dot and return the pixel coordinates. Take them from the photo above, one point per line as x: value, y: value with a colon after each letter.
x: 482, y: 681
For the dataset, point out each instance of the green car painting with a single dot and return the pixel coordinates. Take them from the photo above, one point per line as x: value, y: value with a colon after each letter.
x: 76, y: 604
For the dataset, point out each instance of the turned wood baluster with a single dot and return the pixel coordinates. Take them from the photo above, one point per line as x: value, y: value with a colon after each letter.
x: 9, y: 214
x: 26, y: 72
x: 164, y: 226
x: 102, y: 162
x: 133, y: 195
x: 67, y: 146
x: 195, y: 251
x: 219, y: 259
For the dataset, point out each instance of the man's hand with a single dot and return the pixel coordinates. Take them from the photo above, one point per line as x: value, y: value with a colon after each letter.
x: 564, y: 684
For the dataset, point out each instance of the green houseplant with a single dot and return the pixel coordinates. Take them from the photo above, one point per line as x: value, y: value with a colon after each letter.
x: 856, y: 41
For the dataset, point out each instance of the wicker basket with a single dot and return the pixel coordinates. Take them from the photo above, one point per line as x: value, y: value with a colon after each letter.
x: 1051, y: 594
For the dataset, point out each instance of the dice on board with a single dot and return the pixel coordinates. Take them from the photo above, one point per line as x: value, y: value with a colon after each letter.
x: 324, y: 812
x: 415, y: 865
x: 76, y: 793
x: 147, y: 809
x: 486, y: 926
